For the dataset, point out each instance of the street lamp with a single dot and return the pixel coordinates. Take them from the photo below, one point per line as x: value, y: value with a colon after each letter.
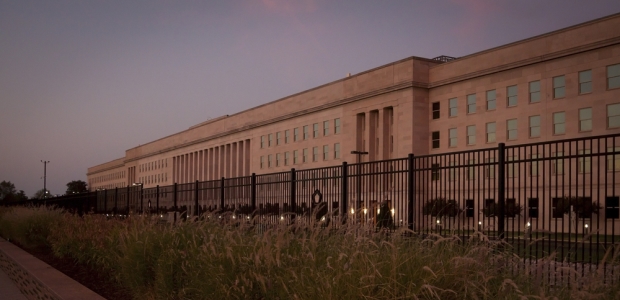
x: 45, y: 162
x: 359, y: 175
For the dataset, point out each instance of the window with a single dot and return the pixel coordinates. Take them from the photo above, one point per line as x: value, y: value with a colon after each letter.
x: 532, y: 208
x: 584, y: 161
x: 489, y: 170
x: 305, y: 155
x: 337, y: 126
x: 613, y: 161
x: 325, y: 152
x: 585, y: 82
x: 452, y: 174
x: 469, y: 208
x: 512, y: 169
x: 585, y: 119
x: 325, y: 128
x: 613, y: 115
x: 287, y: 158
x: 306, y: 132
x: 471, y: 103
x: 278, y: 137
x: 558, y: 87
x: 491, y: 100
x: 534, y: 91
x: 269, y: 157
x: 296, y: 134
x: 612, y: 207
x: 435, y: 172
x: 558, y: 164
x: 262, y: 162
x: 435, y: 138
x: 613, y: 76
x: 263, y: 140
x: 436, y: 110
x: 452, y: 134
x: 558, y: 123
x: 534, y: 126
x: 511, y: 127
x: 295, y: 155
x: 511, y: 93
x: 315, y: 153
x: 337, y: 150
x: 534, y: 165
x: 471, y: 135
x: 511, y: 203
x: 270, y: 139
x: 287, y: 134
x: 278, y: 159
x: 453, y: 107
x: 557, y: 213
x: 491, y: 132
x: 315, y: 130
x: 471, y: 170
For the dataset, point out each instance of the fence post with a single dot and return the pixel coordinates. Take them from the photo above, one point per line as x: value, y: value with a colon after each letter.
x: 344, y: 193
x: 174, y: 198
x: 157, y: 197
x: 196, y: 210
x: 501, y: 190
x: 105, y: 201
x: 222, y: 193
x: 293, y: 194
x: 127, y: 196
x: 253, y: 192
x: 142, y: 198
x: 116, y: 200
x: 410, y: 192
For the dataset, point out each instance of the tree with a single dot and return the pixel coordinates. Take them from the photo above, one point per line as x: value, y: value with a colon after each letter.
x: 21, y: 196
x: 76, y: 186
x: 42, y: 194
x: 7, y: 191
x: 441, y: 207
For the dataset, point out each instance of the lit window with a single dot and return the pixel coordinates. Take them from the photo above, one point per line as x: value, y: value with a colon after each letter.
x: 613, y: 115
x: 325, y: 128
x: 534, y: 126
x: 558, y: 87
x: 471, y: 135
x: 471, y: 103
x: 325, y: 152
x: 534, y: 91
x: 452, y: 136
x: 337, y: 126
x: 613, y: 76
x: 511, y: 127
x: 315, y: 130
x: 435, y: 138
x: 585, y: 119
x: 337, y: 150
x: 491, y: 100
x: 585, y: 82
x: 436, y: 110
x: 453, y: 107
x: 511, y: 93
x: 491, y: 132
x: 315, y: 153
x: 559, y: 123
x: 306, y: 132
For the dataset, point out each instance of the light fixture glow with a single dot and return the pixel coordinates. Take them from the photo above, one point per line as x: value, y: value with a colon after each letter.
x: 352, y: 211
x: 365, y: 210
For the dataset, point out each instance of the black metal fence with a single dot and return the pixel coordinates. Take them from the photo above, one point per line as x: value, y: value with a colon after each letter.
x: 551, y: 197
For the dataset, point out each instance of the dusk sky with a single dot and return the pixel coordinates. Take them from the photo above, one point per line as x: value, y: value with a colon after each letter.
x: 83, y: 81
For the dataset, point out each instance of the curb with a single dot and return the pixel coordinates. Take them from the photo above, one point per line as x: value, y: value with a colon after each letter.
x: 38, y: 280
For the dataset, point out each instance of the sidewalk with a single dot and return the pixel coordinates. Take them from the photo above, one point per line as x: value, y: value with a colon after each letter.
x: 8, y: 290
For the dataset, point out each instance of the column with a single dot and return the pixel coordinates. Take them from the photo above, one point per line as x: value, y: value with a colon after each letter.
x: 247, y: 158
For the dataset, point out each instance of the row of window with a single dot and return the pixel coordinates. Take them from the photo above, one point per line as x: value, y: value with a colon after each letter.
x: 612, y: 207
x: 284, y: 159
x: 268, y: 140
x: 107, y: 177
x: 152, y: 179
x: 154, y: 165
x: 584, y: 117
x: 559, y: 91
x: 110, y: 186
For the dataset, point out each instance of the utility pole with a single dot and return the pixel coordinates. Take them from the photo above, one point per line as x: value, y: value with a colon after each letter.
x: 45, y: 162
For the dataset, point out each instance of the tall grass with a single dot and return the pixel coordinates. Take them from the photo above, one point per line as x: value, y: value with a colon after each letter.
x: 209, y: 259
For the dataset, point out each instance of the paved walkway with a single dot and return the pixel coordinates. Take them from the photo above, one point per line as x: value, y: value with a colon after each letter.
x: 8, y: 290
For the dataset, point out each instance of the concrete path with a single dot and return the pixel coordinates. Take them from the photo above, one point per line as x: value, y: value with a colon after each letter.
x: 8, y: 290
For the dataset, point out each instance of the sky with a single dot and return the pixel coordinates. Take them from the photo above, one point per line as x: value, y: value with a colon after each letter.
x: 83, y: 81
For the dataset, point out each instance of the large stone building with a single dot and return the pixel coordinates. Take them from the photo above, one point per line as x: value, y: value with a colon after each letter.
x: 559, y: 85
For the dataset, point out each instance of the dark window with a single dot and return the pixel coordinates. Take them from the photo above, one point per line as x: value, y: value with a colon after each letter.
x: 435, y: 172
x: 435, y: 137
x: 584, y: 207
x: 611, y: 207
x: 532, y: 205
x: 557, y: 211
x: 436, y: 110
x: 469, y: 208
x: 511, y: 208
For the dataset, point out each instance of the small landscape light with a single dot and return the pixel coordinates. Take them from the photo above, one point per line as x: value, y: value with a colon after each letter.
x: 352, y: 211
x: 530, y: 224
x: 586, y: 226
x: 438, y: 221
x: 365, y: 210
x: 479, y: 222
x: 392, y: 210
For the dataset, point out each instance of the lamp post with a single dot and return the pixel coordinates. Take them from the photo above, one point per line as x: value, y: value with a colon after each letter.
x: 359, y: 175
x: 45, y: 162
